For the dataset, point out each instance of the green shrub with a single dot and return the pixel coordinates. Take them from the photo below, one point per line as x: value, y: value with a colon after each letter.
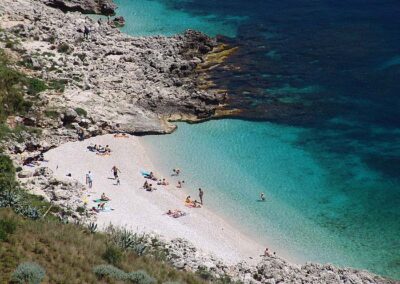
x: 51, y: 39
x: 36, y: 86
x: 28, y: 273
x: 58, y: 85
x: 12, y: 83
x: 203, y: 273
x: 7, y: 174
x: 112, y: 255
x: 80, y: 209
x: 9, y: 44
x: 81, y: 111
x: 64, y: 48
x: 51, y: 113
x: 140, y: 277
x: 7, y: 227
x: 106, y: 270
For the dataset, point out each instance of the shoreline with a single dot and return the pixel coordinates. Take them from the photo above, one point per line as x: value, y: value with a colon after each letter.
x: 229, y: 222
x: 143, y: 211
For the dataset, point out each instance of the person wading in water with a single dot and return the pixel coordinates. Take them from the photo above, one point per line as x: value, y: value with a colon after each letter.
x: 201, y: 193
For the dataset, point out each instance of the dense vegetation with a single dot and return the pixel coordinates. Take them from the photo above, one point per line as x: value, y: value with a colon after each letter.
x: 71, y: 254
x: 13, y: 85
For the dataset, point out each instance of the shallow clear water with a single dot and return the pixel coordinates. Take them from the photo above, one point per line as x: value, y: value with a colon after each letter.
x: 318, y: 82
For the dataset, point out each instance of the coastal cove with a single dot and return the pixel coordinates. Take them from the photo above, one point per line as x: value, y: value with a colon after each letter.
x: 327, y: 199
x: 313, y: 127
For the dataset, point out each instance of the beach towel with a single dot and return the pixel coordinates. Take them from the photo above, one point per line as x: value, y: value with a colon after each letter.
x: 144, y: 173
x: 100, y: 200
x: 106, y: 209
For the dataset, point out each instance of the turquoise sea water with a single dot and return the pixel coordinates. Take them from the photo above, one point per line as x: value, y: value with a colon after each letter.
x: 321, y: 133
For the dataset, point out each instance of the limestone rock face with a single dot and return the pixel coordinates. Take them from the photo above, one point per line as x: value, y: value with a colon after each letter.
x: 138, y: 84
x: 105, y: 7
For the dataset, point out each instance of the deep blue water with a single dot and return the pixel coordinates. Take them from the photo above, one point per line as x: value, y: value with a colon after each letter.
x: 318, y: 83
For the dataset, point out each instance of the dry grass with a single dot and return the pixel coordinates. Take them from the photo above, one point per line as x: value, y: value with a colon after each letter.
x: 68, y: 253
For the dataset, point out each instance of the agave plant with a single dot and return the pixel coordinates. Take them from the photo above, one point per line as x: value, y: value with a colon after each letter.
x: 9, y: 199
x: 92, y: 227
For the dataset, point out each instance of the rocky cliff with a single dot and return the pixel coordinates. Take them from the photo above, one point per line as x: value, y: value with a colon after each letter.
x: 105, y: 7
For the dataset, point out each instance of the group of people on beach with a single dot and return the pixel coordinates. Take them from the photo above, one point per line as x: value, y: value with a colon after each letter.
x: 99, y: 149
x: 102, y: 203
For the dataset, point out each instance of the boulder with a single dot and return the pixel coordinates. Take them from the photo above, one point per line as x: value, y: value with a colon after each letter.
x: 25, y: 174
x: 43, y: 171
x: 69, y: 116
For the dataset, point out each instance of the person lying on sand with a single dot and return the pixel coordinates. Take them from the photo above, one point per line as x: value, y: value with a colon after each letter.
x: 92, y: 148
x: 152, y: 176
x: 94, y: 209
x: 121, y: 135
x: 107, y: 149
x: 176, y: 213
x: 100, y: 206
x: 104, y: 197
x: 150, y: 188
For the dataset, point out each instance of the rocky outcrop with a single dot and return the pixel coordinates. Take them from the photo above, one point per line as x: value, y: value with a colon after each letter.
x: 66, y: 193
x: 137, y: 84
x: 271, y: 269
x: 105, y: 7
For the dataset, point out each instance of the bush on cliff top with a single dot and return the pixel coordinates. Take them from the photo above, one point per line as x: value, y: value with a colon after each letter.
x: 28, y: 273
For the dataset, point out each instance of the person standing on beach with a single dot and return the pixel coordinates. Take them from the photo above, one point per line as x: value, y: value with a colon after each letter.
x: 86, y: 32
x: 89, y: 178
x: 201, y: 193
x: 115, y: 171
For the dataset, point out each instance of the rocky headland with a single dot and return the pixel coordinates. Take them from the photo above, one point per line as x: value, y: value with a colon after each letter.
x: 105, y: 82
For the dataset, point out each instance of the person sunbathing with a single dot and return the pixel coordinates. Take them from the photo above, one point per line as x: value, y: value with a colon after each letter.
x: 92, y: 148
x: 152, y: 176
x: 104, y: 197
x: 150, y: 187
x: 121, y: 135
x: 95, y: 209
x: 164, y: 182
x: 107, y: 149
x: 188, y: 200
x: 100, y: 206
x: 176, y: 213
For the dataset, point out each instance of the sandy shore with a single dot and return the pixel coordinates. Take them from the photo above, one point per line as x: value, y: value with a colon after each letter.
x: 144, y: 211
